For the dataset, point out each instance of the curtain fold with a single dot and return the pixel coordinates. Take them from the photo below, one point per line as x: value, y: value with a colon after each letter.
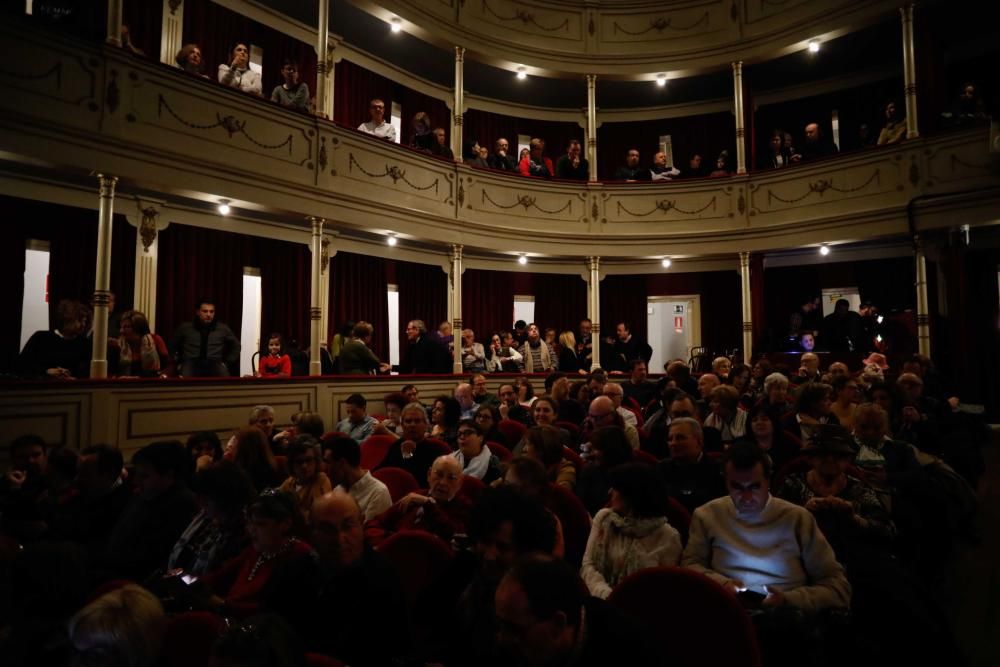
x: 487, y: 301
x: 359, y: 291
x: 423, y: 295
x: 623, y: 299
x: 560, y: 301
x: 286, y: 283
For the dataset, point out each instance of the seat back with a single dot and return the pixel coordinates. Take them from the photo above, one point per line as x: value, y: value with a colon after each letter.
x: 419, y: 558
x: 512, y: 431
x: 574, y: 518
x: 189, y: 637
x: 320, y: 660
x: 472, y: 488
x: 374, y: 450
x: 441, y: 447
x: 689, y: 613
x: 679, y: 518
x: 281, y: 466
x: 640, y: 456
x: 500, y: 451
x: 399, y: 481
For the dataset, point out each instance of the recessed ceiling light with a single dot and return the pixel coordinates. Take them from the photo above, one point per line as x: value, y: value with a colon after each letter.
x: 824, y: 250
x: 813, y: 46
x: 224, y: 207
x: 521, y: 73
x: 661, y: 79
x: 391, y: 240
x: 522, y: 260
x: 395, y: 25
x: 665, y: 263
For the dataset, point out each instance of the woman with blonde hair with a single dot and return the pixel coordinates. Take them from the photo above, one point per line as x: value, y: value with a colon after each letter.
x: 123, y: 628
x: 569, y: 362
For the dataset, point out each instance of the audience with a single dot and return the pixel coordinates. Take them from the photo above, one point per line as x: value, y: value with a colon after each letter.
x: 631, y: 172
x: 358, y: 424
x: 545, y: 445
x: 474, y: 455
x: 501, y: 157
x: 205, y: 347
x: 276, y: 363
x: 895, y: 126
x: 60, y: 354
x: 123, y: 627
x: 607, y: 447
x: 535, y: 164
x: 307, y: 482
x: 690, y: 477
x: 189, y: 59
x: 342, y: 457
x: 572, y: 166
x: 238, y: 74
x: 292, y: 93
x: 377, y: 125
x: 411, y: 452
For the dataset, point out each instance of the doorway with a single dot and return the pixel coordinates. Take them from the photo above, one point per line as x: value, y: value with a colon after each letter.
x: 674, y: 328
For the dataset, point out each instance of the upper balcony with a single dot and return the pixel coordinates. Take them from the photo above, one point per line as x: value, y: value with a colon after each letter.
x: 72, y: 107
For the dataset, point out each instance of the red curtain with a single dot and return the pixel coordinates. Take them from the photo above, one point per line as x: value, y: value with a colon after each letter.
x: 560, y: 300
x: 487, y: 301
x: 758, y: 311
x: 286, y: 282
x: 423, y: 295
x: 358, y: 291
x: 623, y: 299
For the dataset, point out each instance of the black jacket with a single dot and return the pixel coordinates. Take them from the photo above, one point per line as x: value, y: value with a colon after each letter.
x: 425, y: 356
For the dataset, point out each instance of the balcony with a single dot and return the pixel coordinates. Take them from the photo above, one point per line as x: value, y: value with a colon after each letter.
x: 72, y: 108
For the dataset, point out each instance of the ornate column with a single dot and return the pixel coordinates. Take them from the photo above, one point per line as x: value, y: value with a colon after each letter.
x: 923, y: 318
x: 315, y: 307
x: 592, y: 128
x: 171, y: 32
x: 114, y: 37
x: 102, y: 280
x: 909, y: 72
x: 741, y: 147
x: 455, y: 287
x: 747, y: 307
x: 323, y: 60
x: 147, y: 243
x: 594, y: 309
x: 459, y: 105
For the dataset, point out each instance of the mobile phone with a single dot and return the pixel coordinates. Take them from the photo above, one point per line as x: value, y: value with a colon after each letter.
x: 188, y: 579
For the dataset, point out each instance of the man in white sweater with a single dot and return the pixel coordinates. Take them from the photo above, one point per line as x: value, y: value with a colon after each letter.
x: 752, y: 542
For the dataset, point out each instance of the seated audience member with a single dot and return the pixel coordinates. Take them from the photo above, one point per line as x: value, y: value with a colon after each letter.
x: 342, y: 602
x: 161, y: 509
x: 722, y: 166
x: 685, y: 406
x: 302, y: 423
x: 358, y: 424
x: 510, y: 408
x: 837, y: 369
x: 442, y: 511
x: 423, y: 354
x: 140, y: 352
x: 343, y: 464
x: 751, y: 541
x: 739, y: 379
x: 816, y: 145
x: 706, y: 385
x: 263, y: 640
x: 472, y: 155
x: 307, y: 482
x: 608, y: 448
x: 239, y: 587
x: 775, y: 156
x: 847, y: 510
x: 123, y: 627
x: 968, y: 109
x: 865, y: 137
x: 765, y: 431
x: 252, y: 453
x: 480, y: 393
x: 377, y: 125
x: 545, y: 618
x: 218, y: 532
x: 631, y: 172
x: 569, y: 360
x: 689, y: 476
x: 614, y: 391
x: 474, y: 455
x: 423, y: 138
x: 726, y: 415
x: 445, y: 415
x: 658, y: 421
x: 466, y: 403
x: 775, y: 398
x: 275, y: 364
x: 919, y: 416
x: 680, y: 373
x: 291, y: 93
x: 238, y: 74
x: 846, y: 397
x: 60, y: 354
x: 789, y: 146
x: 501, y: 157
x: 694, y: 169
x: 535, y: 163
x: 895, y: 126
x: 356, y: 357
x: 638, y: 388
x: 89, y: 516
x: 205, y: 347
x: 503, y: 357
x: 545, y: 411
x: 189, y: 59
x: 660, y: 171
x: 392, y: 424
x: 568, y: 410
x: 410, y: 452
x: 758, y: 375
x: 602, y: 412
x: 473, y: 354
x: 886, y: 462
x: 440, y: 146
x: 545, y: 445
x: 488, y: 416
x: 631, y: 533
x: 721, y: 367
x: 572, y: 166
x: 812, y: 408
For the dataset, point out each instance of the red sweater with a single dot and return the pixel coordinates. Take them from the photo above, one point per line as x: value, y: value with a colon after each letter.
x: 232, y: 580
x: 272, y: 366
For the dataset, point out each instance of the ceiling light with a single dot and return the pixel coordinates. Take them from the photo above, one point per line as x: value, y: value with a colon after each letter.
x: 665, y: 263
x: 224, y: 207
x: 824, y: 250
x: 521, y: 73
x: 813, y: 46
x: 522, y: 260
x: 391, y: 240
x: 661, y: 80
x: 395, y: 25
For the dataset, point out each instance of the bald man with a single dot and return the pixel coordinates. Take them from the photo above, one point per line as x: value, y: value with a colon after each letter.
x: 442, y: 511
x: 603, y: 413
x: 335, y: 600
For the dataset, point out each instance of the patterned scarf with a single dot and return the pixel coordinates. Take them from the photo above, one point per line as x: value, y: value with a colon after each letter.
x: 147, y: 354
x: 632, y: 528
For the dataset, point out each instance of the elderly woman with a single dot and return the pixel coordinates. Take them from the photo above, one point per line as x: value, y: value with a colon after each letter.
x: 123, y: 627
x: 545, y: 445
x: 238, y: 74
x: 141, y: 353
x: 889, y: 463
x: 630, y: 534
x: 474, y: 455
x: 189, y: 59
x: 775, y: 396
x: 473, y: 354
x: 721, y: 367
x: 812, y: 409
x: 63, y: 353
x: 239, y: 585
x: 218, y: 532
x: 726, y: 416
x: 307, y: 482
x: 537, y: 356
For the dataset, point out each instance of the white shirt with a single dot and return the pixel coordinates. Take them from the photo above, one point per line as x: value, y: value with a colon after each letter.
x: 246, y: 80
x: 383, y: 130
x: 371, y: 495
x: 629, y: 417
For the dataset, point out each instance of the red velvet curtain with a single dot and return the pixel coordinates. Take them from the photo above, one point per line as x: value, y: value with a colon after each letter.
x: 486, y: 127
x: 358, y: 291
x: 286, y: 282
x: 199, y: 263
x: 757, y: 297
x: 487, y: 301
x: 423, y: 295
x: 706, y: 135
x: 560, y: 300
x: 623, y: 299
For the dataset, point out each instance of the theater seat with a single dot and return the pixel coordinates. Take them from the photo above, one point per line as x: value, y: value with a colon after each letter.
x: 399, y: 481
x: 694, y: 619
x: 679, y: 517
x: 281, y: 466
x: 330, y: 435
x: 419, y: 558
x: 640, y: 456
x: 500, y: 451
x: 512, y: 431
x: 573, y: 429
x: 574, y: 518
x: 189, y: 637
x: 442, y: 447
x: 320, y: 660
x: 472, y: 488
x: 374, y: 450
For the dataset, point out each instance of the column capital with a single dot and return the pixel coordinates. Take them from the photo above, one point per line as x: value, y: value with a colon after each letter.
x: 744, y: 257
x: 737, y: 66
x: 108, y: 183
x: 591, y: 80
x: 594, y: 262
x: 459, y: 54
x: 455, y: 253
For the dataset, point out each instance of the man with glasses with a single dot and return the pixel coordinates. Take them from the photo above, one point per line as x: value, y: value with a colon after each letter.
x: 614, y: 391
x: 501, y: 157
x: 423, y: 354
x: 511, y: 409
x: 378, y: 126
x: 603, y: 413
x: 480, y: 393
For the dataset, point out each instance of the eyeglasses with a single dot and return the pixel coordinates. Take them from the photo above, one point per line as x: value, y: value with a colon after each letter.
x: 466, y: 433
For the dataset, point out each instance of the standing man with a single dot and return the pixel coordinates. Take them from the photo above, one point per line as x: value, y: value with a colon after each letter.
x: 626, y: 348
x: 585, y: 344
x: 423, y: 354
x: 205, y: 347
x: 378, y: 126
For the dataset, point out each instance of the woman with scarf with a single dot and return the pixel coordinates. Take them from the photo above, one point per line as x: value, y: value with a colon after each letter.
x: 141, y: 353
x: 473, y: 455
x: 632, y: 533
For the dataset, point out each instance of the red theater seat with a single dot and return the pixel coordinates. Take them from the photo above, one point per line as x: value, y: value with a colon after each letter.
x: 374, y: 450
x: 500, y: 451
x: 574, y: 518
x: 419, y: 558
x: 679, y: 517
x: 399, y: 481
x: 472, y: 488
x: 512, y: 431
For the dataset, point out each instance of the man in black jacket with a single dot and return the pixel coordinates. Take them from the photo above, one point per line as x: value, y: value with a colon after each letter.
x: 423, y: 355
x: 690, y: 477
x: 205, y: 347
x: 501, y: 158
